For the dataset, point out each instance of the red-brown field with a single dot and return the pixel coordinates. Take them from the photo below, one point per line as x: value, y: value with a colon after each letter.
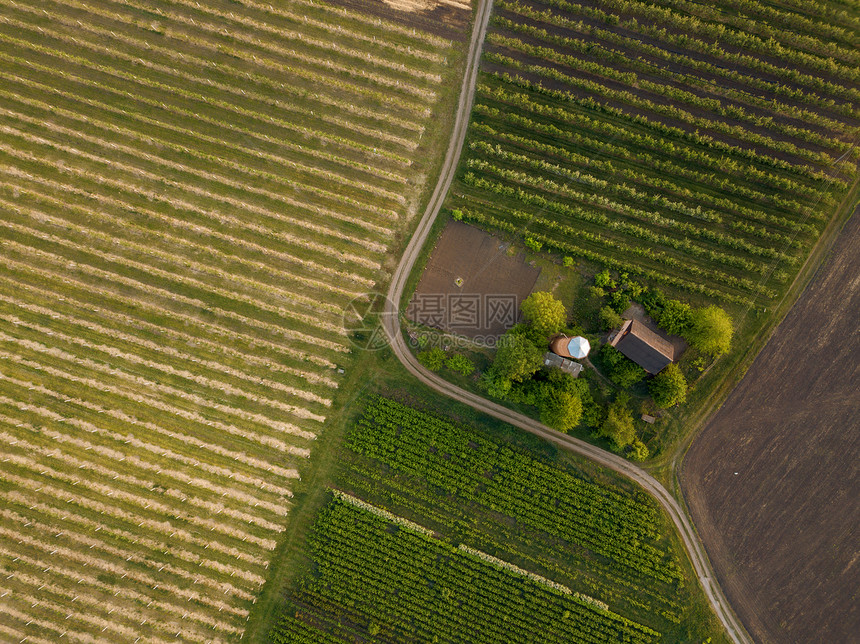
x: 492, y: 284
x: 772, y: 482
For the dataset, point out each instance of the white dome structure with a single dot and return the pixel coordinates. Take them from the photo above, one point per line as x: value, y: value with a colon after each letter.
x: 578, y: 347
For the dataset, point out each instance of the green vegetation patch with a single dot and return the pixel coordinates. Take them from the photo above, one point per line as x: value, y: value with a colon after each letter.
x: 639, y: 138
x: 588, y: 560
x: 400, y: 583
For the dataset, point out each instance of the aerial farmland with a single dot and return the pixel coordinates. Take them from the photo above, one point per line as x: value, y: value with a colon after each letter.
x: 200, y: 439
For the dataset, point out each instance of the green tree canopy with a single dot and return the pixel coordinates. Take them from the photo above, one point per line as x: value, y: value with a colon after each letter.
x: 710, y: 331
x: 609, y: 318
x: 545, y: 313
x: 620, y: 369
x: 562, y: 410
x: 618, y: 426
x: 516, y: 358
x: 669, y: 387
x: 675, y: 317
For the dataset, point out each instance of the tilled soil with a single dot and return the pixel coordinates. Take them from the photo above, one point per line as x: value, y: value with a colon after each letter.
x: 773, y: 481
x: 492, y: 285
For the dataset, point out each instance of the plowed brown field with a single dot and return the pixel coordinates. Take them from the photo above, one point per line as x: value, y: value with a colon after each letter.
x: 772, y: 482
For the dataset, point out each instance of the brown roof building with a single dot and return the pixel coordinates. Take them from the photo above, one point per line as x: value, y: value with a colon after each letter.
x: 648, y: 349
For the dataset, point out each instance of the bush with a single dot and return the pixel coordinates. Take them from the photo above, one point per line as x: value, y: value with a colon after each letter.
x: 568, y: 262
x: 457, y: 214
x: 603, y: 279
x: 619, y: 368
x: 669, y: 387
x: 619, y: 301
x: 609, y: 319
x: 460, y: 364
x: 638, y: 450
x: 534, y: 244
x: 710, y: 331
x: 653, y: 300
x: 434, y: 359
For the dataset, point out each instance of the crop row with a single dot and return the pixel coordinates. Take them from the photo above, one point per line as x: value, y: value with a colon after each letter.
x: 295, y: 298
x: 395, y: 29
x: 565, y: 213
x: 687, y: 32
x: 116, y: 321
x: 531, y: 178
x: 297, y: 268
x: 34, y: 268
x: 593, y: 575
x: 717, y: 209
x: 669, y: 110
x: 467, y: 594
x: 676, y: 96
x: 581, y: 513
x: 603, y: 38
x: 64, y: 59
x: 140, y: 173
x: 155, y: 125
x: 330, y: 48
x: 282, y: 313
x: 584, y: 116
x: 301, y: 63
x: 611, y: 253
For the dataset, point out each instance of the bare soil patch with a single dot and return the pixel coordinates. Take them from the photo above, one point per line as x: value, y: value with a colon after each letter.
x: 472, y: 285
x: 445, y: 18
x: 773, y: 482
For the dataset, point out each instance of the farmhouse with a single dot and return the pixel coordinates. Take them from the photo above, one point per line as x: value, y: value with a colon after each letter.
x: 645, y: 347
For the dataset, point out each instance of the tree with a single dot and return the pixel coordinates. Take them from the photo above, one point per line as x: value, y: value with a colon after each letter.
x: 638, y: 450
x: 561, y: 411
x: 516, y: 358
x: 620, y: 369
x: 609, y: 319
x: 618, y: 426
x: 669, y: 387
x: 710, y: 331
x: 460, y: 363
x: 675, y: 317
x: 545, y: 313
x: 434, y: 359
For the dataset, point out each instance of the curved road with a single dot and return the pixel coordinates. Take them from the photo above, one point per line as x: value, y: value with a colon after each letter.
x: 391, y: 326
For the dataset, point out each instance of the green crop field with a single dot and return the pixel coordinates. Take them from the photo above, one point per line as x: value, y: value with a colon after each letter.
x: 440, y: 532
x: 700, y: 147
x: 191, y: 194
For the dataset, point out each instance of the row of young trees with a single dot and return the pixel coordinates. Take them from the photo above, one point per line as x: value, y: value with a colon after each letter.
x: 646, y: 56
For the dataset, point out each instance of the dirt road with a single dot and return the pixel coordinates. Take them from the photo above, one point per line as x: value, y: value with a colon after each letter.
x: 391, y: 326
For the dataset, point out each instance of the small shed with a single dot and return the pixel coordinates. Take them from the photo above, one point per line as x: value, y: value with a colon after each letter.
x: 572, y: 367
x: 567, y: 347
x: 645, y: 347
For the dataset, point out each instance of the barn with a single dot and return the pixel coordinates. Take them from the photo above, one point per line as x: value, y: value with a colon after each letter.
x: 645, y: 347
